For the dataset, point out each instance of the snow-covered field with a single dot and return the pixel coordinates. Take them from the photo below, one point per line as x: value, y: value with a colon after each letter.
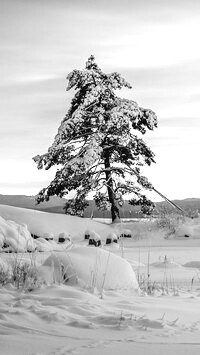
x: 89, y: 301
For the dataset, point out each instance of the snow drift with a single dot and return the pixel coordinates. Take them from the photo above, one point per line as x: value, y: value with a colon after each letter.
x: 39, y: 222
x: 16, y: 237
x: 93, y: 267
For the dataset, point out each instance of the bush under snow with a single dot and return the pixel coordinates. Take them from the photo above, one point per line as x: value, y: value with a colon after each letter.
x: 126, y: 233
x: 15, y: 236
x: 94, y: 239
x: 93, y: 267
x: 111, y: 238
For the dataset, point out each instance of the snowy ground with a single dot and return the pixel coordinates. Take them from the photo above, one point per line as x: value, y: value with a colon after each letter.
x: 100, y: 317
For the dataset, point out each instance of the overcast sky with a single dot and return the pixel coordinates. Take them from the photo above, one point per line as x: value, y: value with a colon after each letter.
x: 154, y: 44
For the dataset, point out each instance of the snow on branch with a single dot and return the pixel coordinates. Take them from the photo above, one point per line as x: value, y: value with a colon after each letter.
x: 98, y: 146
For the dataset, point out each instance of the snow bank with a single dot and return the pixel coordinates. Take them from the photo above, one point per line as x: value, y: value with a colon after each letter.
x: 93, y: 267
x: 42, y: 222
x: 17, y: 238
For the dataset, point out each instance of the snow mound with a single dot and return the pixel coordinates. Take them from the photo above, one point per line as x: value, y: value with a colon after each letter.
x: 39, y: 223
x: 93, y: 267
x: 193, y: 264
x: 166, y: 263
x: 14, y: 236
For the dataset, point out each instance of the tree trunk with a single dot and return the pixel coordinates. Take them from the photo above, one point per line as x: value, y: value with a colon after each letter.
x: 114, y: 209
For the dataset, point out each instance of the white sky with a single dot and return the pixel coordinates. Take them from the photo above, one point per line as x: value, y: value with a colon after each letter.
x: 154, y: 44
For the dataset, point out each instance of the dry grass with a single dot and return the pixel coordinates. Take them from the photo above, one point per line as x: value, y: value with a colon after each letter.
x: 164, y: 225
x: 19, y: 273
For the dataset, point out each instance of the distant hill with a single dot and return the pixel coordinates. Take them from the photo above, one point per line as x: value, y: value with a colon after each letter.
x: 56, y: 205
x: 128, y: 211
x: 188, y: 205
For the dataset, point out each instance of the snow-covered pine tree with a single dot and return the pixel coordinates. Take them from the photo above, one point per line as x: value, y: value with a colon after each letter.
x: 97, y: 145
